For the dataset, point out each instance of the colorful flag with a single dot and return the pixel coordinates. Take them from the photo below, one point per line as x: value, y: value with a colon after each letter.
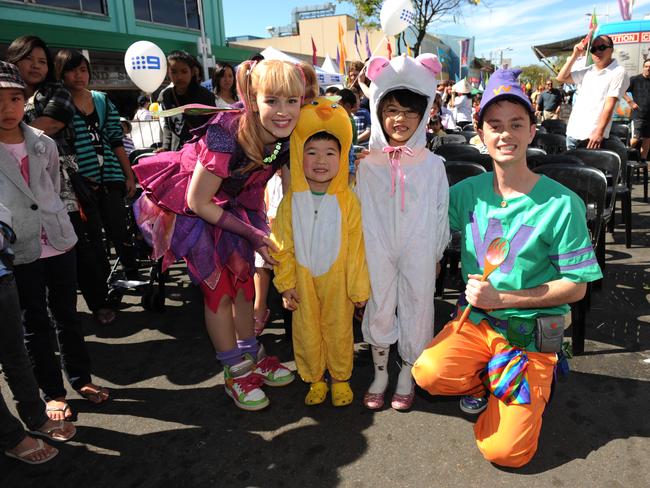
x: 368, y: 50
x: 357, y: 39
x: 338, y: 58
x: 593, y: 25
x: 625, y: 6
x: 343, y: 50
x: 464, y: 52
x: 314, y: 60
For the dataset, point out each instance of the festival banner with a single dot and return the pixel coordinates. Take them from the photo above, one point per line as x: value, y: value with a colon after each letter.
x: 342, y: 50
x: 368, y: 50
x: 357, y: 39
x: 464, y: 52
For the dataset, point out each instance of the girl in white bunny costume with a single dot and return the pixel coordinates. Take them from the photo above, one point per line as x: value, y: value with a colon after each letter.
x: 404, y: 198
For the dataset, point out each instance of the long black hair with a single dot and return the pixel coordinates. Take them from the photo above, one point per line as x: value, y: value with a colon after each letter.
x: 220, y: 69
x: 22, y: 46
x: 191, y: 62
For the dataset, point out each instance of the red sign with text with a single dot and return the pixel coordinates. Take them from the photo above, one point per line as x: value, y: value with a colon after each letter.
x: 629, y: 37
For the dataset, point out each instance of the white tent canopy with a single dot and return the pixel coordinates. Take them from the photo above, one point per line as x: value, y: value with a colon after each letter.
x: 325, y: 78
x: 328, y: 65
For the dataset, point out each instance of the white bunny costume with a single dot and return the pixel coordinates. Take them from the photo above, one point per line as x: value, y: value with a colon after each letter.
x: 404, y: 199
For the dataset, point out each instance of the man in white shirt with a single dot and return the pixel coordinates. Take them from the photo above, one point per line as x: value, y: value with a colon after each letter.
x: 599, y: 88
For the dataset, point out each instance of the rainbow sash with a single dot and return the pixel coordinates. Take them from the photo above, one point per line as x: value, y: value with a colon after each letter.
x: 506, y: 376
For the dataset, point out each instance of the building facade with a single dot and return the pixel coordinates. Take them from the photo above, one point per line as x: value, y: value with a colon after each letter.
x: 104, y: 29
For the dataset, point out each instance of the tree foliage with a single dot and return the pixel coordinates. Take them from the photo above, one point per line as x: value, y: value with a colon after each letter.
x: 426, y: 12
x: 535, y: 74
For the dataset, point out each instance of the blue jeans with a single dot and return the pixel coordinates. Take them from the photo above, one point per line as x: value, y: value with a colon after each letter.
x: 17, y: 370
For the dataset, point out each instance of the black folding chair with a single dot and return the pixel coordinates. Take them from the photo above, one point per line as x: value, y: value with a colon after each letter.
x: 469, y: 134
x: 456, y: 171
x: 532, y: 152
x: 459, y: 170
x: 589, y: 184
x: 610, y: 163
x: 457, y: 152
x: 622, y: 131
x: 551, y: 143
x: 633, y: 163
x: 554, y: 127
x: 563, y: 158
x: 454, y: 139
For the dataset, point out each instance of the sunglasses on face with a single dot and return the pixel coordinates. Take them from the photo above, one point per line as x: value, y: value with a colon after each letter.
x: 601, y: 48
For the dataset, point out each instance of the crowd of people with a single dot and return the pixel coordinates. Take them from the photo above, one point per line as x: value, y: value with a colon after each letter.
x: 358, y: 221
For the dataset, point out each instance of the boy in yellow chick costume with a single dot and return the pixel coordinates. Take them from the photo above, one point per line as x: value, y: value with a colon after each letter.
x: 322, y: 271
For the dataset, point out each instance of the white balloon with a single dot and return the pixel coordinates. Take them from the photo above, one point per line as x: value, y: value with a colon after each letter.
x: 146, y: 65
x: 395, y: 16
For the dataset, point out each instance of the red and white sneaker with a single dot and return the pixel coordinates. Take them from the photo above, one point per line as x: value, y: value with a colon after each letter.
x: 271, y: 369
x: 243, y: 385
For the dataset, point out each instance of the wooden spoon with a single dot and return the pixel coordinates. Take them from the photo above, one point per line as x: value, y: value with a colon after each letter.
x: 496, y: 254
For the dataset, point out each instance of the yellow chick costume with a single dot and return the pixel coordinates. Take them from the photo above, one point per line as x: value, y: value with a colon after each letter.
x: 321, y: 252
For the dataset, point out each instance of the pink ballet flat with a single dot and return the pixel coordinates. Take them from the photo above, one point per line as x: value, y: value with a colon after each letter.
x: 403, y: 402
x: 373, y: 401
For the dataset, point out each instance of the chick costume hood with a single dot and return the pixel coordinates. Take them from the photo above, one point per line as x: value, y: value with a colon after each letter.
x: 321, y: 251
x: 404, y: 199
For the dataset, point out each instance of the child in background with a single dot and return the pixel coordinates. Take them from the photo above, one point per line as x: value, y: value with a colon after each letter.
x: 221, y: 223
x: 322, y: 272
x: 185, y: 89
x: 403, y: 191
x: 350, y: 102
x: 18, y: 370
x: 435, y: 133
x: 127, y: 142
x: 45, y: 264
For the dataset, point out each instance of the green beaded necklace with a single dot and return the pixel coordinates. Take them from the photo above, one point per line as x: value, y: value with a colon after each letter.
x: 272, y: 157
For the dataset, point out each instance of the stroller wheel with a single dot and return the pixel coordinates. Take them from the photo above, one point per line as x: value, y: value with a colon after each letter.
x: 153, y: 301
x: 114, y: 296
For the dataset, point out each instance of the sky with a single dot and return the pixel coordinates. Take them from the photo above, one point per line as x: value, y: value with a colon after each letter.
x: 508, y: 25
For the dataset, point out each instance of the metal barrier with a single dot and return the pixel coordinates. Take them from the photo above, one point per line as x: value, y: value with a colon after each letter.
x: 146, y: 133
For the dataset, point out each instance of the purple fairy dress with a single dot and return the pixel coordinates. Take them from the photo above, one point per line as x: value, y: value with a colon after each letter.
x: 175, y: 232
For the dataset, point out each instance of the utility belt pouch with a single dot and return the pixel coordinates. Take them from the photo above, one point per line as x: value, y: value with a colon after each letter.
x: 549, y: 333
x: 521, y: 331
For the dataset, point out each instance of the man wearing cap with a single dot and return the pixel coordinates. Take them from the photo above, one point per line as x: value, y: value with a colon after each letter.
x: 640, y: 105
x: 503, y: 357
x: 600, y: 85
x: 549, y: 102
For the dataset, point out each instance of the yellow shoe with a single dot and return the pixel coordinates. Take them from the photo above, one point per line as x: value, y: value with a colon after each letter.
x: 317, y: 393
x: 342, y: 394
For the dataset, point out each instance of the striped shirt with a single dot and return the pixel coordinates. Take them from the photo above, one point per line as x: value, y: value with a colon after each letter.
x: 92, y: 165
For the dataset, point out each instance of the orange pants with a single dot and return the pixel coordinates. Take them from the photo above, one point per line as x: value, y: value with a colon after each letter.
x: 506, y: 435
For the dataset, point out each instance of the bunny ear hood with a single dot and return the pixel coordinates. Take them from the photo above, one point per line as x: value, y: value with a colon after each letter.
x: 322, y: 114
x: 415, y: 74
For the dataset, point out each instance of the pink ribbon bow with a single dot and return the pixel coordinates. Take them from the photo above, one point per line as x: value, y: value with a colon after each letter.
x: 394, y: 157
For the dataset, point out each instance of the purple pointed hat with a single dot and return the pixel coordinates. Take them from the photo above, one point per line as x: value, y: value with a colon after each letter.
x: 504, y: 83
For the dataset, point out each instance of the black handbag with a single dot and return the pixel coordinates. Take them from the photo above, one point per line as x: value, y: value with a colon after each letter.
x: 85, y: 189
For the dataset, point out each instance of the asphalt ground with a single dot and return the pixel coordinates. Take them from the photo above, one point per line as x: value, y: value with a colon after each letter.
x: 170, y: 424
